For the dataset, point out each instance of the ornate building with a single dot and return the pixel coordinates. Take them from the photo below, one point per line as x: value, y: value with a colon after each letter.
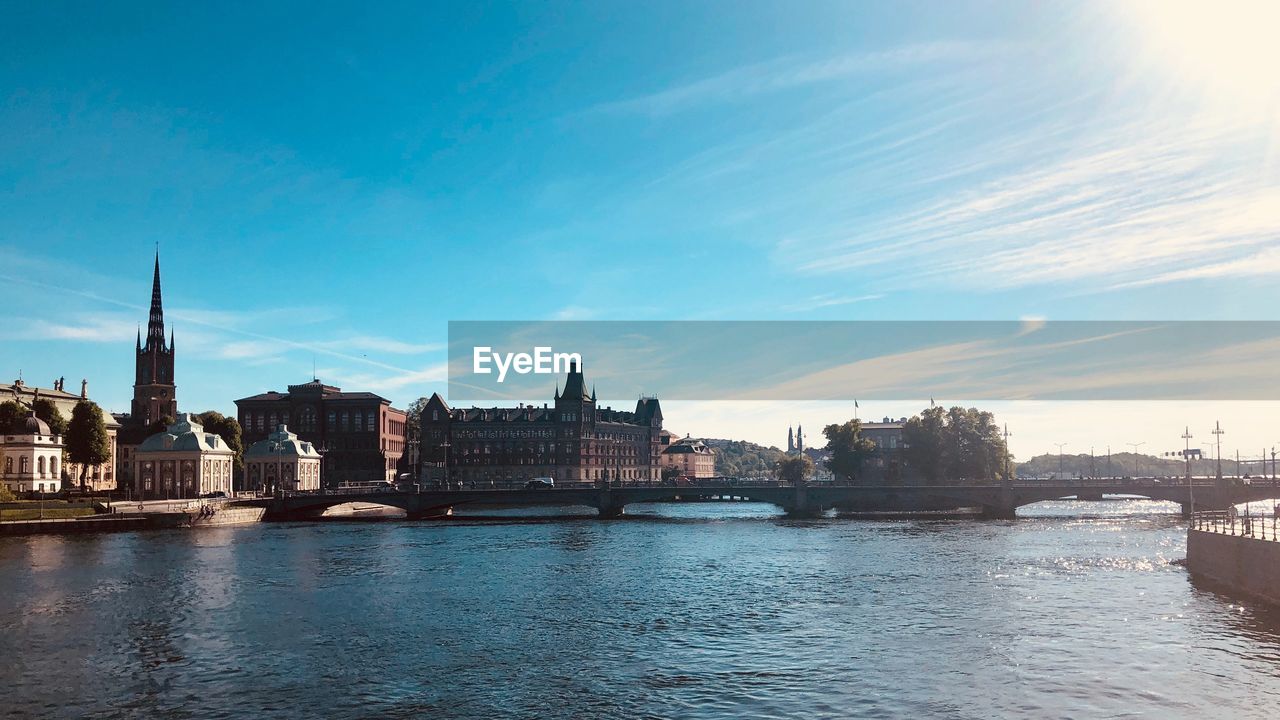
x: 184, y: 461
x: 154, y: 394
x: 281, y: 462
x: 572, y: 441
x: 360, y: 434
x: 31, y: 458
x: 99, y: 477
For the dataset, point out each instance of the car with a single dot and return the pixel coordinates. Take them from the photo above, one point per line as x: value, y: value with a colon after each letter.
x: 214, y: 494
x: 539, y: 483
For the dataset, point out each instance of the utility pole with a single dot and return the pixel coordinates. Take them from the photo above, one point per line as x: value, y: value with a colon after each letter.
x: 1060, y: 446
x: 1110, y: 474
x: 1218, y: 432
x: 1093, y: 470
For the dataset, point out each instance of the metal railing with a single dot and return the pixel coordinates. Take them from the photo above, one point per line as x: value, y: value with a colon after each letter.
x: 1260, y: 526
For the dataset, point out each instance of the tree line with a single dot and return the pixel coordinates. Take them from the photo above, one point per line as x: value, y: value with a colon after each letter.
x: 939, y: 446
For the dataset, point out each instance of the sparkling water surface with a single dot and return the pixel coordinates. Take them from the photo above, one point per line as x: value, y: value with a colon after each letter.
x: 699, y: 610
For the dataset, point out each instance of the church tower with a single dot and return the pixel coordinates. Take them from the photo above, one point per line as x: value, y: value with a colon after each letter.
x: 154, y: 394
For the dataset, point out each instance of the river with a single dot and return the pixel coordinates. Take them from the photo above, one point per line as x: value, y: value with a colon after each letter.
x: 1073, y: 610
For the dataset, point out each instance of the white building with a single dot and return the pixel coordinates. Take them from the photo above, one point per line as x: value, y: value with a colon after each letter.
x: 182, y: 462
x: 99, y: 477
x: 32, y: 458
x: 281, y: 461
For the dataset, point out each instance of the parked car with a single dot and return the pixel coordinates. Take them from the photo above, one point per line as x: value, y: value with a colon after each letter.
x: 539, y: 483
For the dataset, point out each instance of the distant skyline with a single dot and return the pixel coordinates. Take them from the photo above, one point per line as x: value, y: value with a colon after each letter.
x: 329, y: 186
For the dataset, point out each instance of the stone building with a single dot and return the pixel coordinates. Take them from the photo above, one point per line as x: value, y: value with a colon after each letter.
x: 100, y: 477
x: 361, y: 436
x: 184, y: 461
x: 693, y: 458
x: 574, y: 440
x: 31, y: 458
x: 281, y: 461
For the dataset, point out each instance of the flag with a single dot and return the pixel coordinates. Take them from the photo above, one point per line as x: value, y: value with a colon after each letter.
x: 930, y: 402
x: 855, y: 403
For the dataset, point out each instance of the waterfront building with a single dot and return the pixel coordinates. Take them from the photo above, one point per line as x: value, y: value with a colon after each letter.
x: 693, y: 458
x: 30, y: 458
x: 100, y: 477
x: 361, y: 436
x: 281, y: 461
x: 184, y: 461
x: 573, y: 440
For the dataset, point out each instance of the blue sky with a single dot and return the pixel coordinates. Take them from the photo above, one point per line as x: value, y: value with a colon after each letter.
x: 335, y: 182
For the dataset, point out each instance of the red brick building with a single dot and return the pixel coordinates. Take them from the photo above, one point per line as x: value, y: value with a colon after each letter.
x: 571, y: 441
x: 359, y: 434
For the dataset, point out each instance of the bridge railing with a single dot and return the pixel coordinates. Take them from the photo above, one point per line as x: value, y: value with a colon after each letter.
x: 1260, y: 526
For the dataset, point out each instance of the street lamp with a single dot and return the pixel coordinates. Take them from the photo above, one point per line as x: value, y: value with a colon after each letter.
x: 1218, y: 432
x: 1060, y: 446
x: 1137, y: 459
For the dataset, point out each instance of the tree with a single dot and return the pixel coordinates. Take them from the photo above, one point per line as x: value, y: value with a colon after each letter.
x: 669, y: 473
x: 849, y: 450
x: 12, y: 415
x: 6, y: 495
x: 795, y: 469
x: 227, y: 428
x: 87, y: 438
x: 48, y: 412
x: 959, y: 444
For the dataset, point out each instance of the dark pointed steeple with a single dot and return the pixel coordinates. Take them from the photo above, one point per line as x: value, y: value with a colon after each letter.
x: 575, y: 387
x: 155, y: 324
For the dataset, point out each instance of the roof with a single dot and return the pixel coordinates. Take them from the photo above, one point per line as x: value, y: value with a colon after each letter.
x: 688, y: 446
x: 315, y: 387
x: 185, y: 435
x: 281, y: 443
x: 64, y: 401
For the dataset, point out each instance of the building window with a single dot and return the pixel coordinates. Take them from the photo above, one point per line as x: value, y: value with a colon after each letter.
x: 53, y: 466
x: 8, y: 466
x: 40, y: 465
x: 22, y: 466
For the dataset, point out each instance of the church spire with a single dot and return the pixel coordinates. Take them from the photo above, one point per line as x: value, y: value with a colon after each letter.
x: 155, y: 325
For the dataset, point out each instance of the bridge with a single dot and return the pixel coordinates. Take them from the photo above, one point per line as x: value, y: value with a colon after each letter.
x: 1000, y: 500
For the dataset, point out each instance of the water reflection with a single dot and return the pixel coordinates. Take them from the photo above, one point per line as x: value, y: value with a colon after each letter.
x: 693, y: 610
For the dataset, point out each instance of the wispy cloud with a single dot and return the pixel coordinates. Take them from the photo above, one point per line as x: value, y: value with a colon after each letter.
x: 830, y: 300
x: 784, y: 74
x: 1155, y: 201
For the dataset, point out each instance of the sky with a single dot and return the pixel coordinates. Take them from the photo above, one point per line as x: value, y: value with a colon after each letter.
x: 330, y: 184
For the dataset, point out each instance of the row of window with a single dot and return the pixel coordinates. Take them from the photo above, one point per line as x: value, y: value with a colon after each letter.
x: 24, y: 466
x: 345, y: 421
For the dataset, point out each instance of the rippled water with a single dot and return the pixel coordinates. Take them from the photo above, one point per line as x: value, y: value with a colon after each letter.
x: 688, y: 611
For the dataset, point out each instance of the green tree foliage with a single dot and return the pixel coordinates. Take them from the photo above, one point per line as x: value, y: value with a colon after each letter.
x: 227, y: 428
x: 11, y: 416
x: 736, y: 458
x: 848, y: 449
x: 6, y: 495
x: 48, y: 412
x: 795, y: 469
x: 954, y: 445
x: 87, y: 438
x: 413, y: 417
x: 670, y: 472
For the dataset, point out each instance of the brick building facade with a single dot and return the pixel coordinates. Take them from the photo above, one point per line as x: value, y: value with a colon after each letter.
x: 359, y: 434
x: 571, y: 441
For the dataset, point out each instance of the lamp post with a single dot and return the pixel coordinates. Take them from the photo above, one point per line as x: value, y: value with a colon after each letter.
x: 1060, y: 446
x: 1137, y: 459
x: 445, y: 445
x: 1186, y: 454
